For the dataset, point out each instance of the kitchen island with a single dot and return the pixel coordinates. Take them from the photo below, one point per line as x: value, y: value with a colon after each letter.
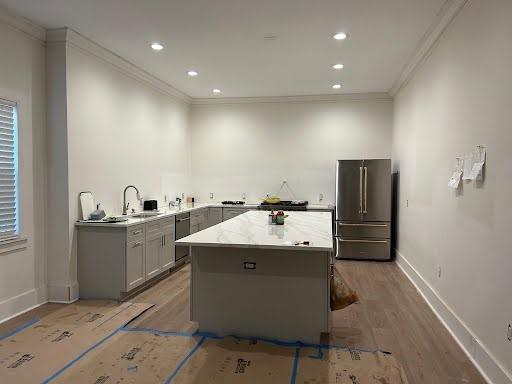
x: 252, y: 278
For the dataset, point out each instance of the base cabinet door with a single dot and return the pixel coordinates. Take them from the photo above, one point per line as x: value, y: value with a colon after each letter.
x: 135, y: 264
x: 214, y: 216
x: 167, y: 254
x: 153, y: 250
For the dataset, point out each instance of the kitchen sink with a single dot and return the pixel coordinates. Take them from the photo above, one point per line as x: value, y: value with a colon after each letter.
x: 143, y: 215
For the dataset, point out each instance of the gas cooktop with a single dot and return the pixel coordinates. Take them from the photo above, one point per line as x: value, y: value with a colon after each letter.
x: 285, y: 205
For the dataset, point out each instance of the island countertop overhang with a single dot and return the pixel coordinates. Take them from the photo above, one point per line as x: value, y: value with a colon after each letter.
x: 252, y: 230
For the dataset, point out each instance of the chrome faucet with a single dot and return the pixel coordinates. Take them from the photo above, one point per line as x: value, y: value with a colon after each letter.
x: 125, y: 206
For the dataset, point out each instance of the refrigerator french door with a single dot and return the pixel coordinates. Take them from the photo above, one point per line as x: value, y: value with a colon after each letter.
x: 363, y: 209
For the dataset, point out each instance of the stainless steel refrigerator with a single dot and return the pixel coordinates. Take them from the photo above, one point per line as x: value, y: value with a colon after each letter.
x: 363, y: 209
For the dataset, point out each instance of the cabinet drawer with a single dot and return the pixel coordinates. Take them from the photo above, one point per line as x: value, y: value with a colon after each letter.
x: 363, y: 249
x: 168, y: 224
x: 135, y: 233
x: 363, y: 230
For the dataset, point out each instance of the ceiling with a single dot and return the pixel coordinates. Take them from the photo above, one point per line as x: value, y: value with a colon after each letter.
x: 227, y: 42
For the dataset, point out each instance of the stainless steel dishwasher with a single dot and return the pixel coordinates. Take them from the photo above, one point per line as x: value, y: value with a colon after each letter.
x: 182, y: 230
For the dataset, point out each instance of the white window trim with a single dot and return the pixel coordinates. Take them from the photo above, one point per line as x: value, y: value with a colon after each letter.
x: 16, y: 241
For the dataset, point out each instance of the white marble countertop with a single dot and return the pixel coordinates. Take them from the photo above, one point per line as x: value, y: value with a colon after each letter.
x: 252, y: 230
x: 183, y: 209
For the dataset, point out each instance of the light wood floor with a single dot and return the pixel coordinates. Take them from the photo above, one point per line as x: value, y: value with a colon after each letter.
x: 391, y: 316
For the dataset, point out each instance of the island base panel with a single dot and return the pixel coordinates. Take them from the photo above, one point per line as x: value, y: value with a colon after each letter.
x: 265, y: 293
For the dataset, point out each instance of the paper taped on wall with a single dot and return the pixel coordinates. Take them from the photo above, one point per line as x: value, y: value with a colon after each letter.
x: 474, y: 163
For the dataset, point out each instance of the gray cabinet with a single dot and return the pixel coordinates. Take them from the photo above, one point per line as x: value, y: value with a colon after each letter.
x: 229, y: 213
x: 214, y: 216
x: 113, y: 261
x: 154, y: 243
x: 198, y: 220
x: 167, y: 254
x: 135, y: 264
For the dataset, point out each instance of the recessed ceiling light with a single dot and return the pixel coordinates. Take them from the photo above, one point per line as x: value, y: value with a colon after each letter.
x: 157, y: 46
x: 216, y: 90
x: 336, y: 86
x: 192, y: 73
x: 340, y: 36
x: 338, y: 66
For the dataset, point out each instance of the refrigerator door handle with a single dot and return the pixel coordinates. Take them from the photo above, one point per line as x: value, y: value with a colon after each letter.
x: 363, y: 241
x: 360, y: 190
x: 365, y: 210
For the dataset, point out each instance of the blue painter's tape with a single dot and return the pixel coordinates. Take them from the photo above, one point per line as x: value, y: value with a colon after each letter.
x: 295, y: 366
x: 319, y: 355
x: 291, y: 344
x: 208, y: 335
x: 19, y: 329
x: 184, y: 361
x: 60, y: 371
x: 157, y: 332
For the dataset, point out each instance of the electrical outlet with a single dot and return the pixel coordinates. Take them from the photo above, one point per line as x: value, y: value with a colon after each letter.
x: 407, y: 203
x: 243, y: 196
x: 182, y: 195
x: 211, y: 195
x: 165, y: 198
x: 509, y: 333
x: 321, y: 197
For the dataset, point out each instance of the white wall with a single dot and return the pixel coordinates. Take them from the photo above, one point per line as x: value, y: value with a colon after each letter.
x: 252, y: 147
x: 122, y: 132
x: 117, y: 130
x: 461, y: 97
x: 22, y: 79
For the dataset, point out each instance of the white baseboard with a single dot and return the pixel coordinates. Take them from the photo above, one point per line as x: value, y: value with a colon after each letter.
x: 20, y: 304
x: 65, y: 293
x: 484, y: 361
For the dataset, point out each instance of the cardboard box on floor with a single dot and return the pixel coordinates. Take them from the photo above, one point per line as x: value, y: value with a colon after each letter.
x: 34, y: 354
x: 154, y: 357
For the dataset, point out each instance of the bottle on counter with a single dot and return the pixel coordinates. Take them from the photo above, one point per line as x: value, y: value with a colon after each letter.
x: 271, y: 217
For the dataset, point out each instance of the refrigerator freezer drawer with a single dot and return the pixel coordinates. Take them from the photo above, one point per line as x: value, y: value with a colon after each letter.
x: 363, y: 249
x: 363, y: 230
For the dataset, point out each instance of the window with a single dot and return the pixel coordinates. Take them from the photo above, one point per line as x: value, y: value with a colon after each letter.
x: 8, y: 170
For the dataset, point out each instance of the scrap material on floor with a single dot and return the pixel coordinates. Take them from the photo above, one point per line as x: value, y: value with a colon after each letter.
x: 41, y: 348
x: 60, y: 349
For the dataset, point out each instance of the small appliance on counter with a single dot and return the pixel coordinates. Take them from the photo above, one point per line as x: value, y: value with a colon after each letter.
x: 150, y: 205
x: 229, y: 202
x: 98, y: 214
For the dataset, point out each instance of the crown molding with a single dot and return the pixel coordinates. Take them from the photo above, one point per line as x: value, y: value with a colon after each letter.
x: 78, y: 41
x: 295, y: 99
x: 446, y: 15
x: 22, y: 24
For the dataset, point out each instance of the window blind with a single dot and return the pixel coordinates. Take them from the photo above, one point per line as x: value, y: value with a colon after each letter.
x: 8, y: 170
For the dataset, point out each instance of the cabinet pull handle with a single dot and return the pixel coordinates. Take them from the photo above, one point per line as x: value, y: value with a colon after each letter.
x: 137, y: 244
x: 363, y: 241
x: 138, y: 232
x: 362, y: 225
x: 185, y: 219
x: 365, y: 210
x: 360, y: 190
